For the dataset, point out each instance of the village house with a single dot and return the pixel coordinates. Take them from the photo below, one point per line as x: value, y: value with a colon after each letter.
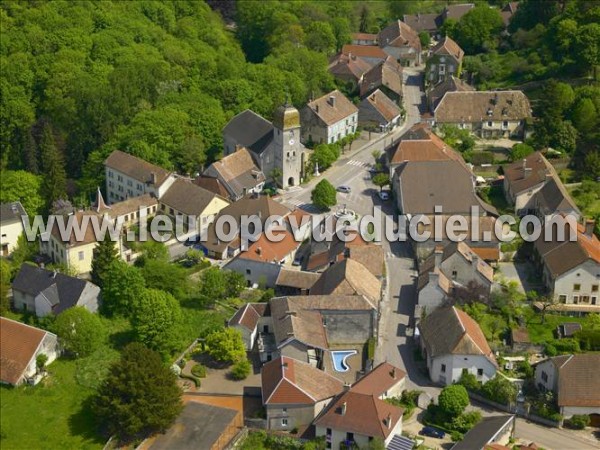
x: 364, y: 39
x: 492, y: 433
x: 508, y: 12
x: 574, y: 381
x: 452, y: 343
x: 264, y: 259
x: 275, y: 147
x: 129, y: 176
x: 444, y: 62
x: 449, y: 84
x: 328, y: 119
x: 349, y: 68
x: 571, y: 269
x: 237, y: 173
x: 386, y: 77
x: 432, y: 22
x: 294, y: 282
x: 294, y: 393
x: 11, y: 223
x: 372, y: 54
x: 253, y: 205
x: 378, y: 112
x: 20, y: 346
x: 402, y: 43
x: 185, y: 200
x: 360, y: 414
x: 533, y: 186
x: 249, y: 320
x: 487, y: 114
x: 433, y: 290
x: 45, y: 292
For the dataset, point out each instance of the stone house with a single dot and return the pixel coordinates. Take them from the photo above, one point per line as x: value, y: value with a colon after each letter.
x: 402, y: 43
x: 449, y: 84
x: 249, y: 320
x: 328, y: 119
x: 378, y: 112
x: 386, y: 77
x: 444, y: 62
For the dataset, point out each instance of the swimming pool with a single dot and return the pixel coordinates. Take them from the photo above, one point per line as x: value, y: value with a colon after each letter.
x: 339, y: 359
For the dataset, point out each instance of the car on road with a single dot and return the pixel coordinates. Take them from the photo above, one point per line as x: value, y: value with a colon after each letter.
x: 191, y: 241
x: 344, y: 189
x: 432, y: 432
x: 384, y: 195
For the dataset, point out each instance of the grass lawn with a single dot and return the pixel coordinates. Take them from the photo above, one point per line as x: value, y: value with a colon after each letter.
x: 53, y: 414
x: 540, y: 333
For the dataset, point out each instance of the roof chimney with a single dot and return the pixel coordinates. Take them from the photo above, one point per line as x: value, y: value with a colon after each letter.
x: 474, y: 259
x: 343, y: 408
x: 258, y: 250
x: 438, y: 253
x: 589, y: 227
x: 393, y: 373
x: 153, y: 177
x: 332, y: 101
x: 347, y: 387
x: 388, y: 420
x: 316, y: 108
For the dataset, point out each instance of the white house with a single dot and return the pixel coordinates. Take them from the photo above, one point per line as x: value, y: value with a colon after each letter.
x: 575, y: 382
x: 129, y: 176
x: 328, y: 119
x: 11, y: 226
x: 571, y: 269
x: 47, y: 292
x: 250, y: 320
x: 20, y: 345
x: 360, y: 414
x: 452, y: 343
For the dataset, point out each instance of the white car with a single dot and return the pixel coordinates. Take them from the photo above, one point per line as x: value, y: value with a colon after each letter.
x: 383, y: 195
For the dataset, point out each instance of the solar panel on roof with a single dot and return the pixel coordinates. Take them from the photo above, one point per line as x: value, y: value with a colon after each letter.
x: 399, y: 442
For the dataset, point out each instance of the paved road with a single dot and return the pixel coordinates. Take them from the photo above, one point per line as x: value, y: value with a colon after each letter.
x: 555, y: 438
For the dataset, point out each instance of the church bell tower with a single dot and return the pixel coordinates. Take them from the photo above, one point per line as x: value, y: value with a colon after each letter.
x: 289, y: 152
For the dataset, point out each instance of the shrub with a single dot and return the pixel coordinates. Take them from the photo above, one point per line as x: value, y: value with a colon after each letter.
x: 500, y: 390
x: 199, y: 370
x: 550, y: 350
x: 470, y: 382
x: 568, y: 345
x: 192, y: 378
x: 589, y: 340
x: 579, y: 421
x: 465, y: 421
x: 456, y: 436
x: 453, y: 400
x: 479, y: 158
x: 241, y: 369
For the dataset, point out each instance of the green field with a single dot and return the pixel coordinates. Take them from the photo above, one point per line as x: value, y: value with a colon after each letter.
x: 540, y: 333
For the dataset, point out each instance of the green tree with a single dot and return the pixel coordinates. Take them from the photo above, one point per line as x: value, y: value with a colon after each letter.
x: 226, y: 345
x: 235, y: 283
x: 156, y: 320
x: 54, y: 183
x: 323, y: 155
x: 5, y: 273
x: 478, y: 29
x: 320, y: 38
x: 152, y: 250
x: 592, y: 165
x: 80, y: 331
x: 520, y: 151
x: 469, y: 381
x: 324, y: 195
x: 213, y: 286
x: 241, y: 369
x: 122, y: 285
x: 18, y: 185
x: 585, y: 116
x: 168, y: 277
x: 500, y: 390
x: 140, y: 396
x: 381, y: 180
x: 453, y: 400
x: 341, y: 31
x: 366, y: 20
x: 425, y: 39
x: 588, y: 38
x: 105, y: 253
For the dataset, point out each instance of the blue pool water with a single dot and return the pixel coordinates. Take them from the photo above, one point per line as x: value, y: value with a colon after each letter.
x: 339, y: 359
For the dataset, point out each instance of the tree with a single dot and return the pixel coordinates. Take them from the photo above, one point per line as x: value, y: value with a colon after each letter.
x: 213, y: 286
x: 55, y: 178
x: 226, y: 345
x: 585, y: 116
x: 122, y: 285
x: 453, y: 400
x: 80, y: 331
x: 520, y: 151
x: 324, y: 155
x: 156, y: 318
x: 235, y: 283
x: 324, y: 195
x: 140, y: 396
x: 588, y: 37
x: 425, y: 39
x: 381, y: 180
x: 320, y: 38
x: 40, y: 361
x: 469, y: 381
x: 105, y: 253
x: 500, y: 390
x: 477, y: 29
x: 152, y: 250
x: 366, y: 20
x: 18, y: 185
x: 168, y: 277
x: 241, y: 369
x: 5, y: 272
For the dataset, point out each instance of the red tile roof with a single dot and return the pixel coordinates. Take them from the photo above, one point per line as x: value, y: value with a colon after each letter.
x: 272, y: 252
x: 379, y: 380
x: 364, y: 51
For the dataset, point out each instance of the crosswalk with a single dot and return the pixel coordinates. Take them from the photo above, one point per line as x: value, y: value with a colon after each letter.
x: 308, y: 207
x: 354, y: 162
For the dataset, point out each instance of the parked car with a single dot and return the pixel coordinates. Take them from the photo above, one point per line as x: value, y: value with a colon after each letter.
x: 297, y: 260
x: 191, y: 241
x: 345, y: 189
x: 384, y: 195
x: 432, y: 432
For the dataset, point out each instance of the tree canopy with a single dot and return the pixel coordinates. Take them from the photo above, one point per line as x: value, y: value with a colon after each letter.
x: 226, y: 345
x: 324, y: 195
x: 122, y: 285
x: 80, y: 331
x: 453, y: 400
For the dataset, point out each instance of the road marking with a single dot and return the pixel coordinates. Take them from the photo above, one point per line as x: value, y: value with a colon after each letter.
x: 354, y: 162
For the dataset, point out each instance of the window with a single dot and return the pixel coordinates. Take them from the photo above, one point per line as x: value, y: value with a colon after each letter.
x: 479, y: 372
x: 442, y: 69
x: 171, y: 211
x: 576, y: 299
x: 489, y: 123
x: 544, y: 377
x: 284, y: 422
x: 454, y: 274
x: 119, y: 178
x: 139, y: 187
x: 594, y: 300
x: 284, y: 410
x: 577, y: 287
x: 110, y: 174
x: 80, y: 255
x: 129, y: 183
x: 585, y: 299
x: 505, y: 124
x: 350, y: 436
x: 248, y: 271
x: 443, y: 368
x: 562, y: 299
x: 594, y: 288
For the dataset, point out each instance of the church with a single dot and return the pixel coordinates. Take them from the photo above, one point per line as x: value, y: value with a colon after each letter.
x: 275, y: 147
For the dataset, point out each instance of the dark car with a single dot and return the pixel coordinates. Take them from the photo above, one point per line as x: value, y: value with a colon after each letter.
x: 191, y: 241
x: 432, y: 432
x: 345, y: 189
x: 297, y: 260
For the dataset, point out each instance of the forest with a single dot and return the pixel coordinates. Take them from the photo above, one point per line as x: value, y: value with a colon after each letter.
x: 161, y: 79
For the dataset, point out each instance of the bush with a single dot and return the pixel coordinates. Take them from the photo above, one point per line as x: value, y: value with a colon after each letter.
x: 453, y: 400
x: 241, y: 370
x: 589, y: 340
x: 470, y: 382
x: 456, y: 436
x: 192, y: 378
x: 579, y: 421
x: 465, y: 421
x: 480, y: 158
x: 199, y: 371
x: 500, y: 390
x: 568, y: 345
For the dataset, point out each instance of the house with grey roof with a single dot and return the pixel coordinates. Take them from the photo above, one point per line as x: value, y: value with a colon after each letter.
x: 487, y: 114
x: 46, y: 292
x: 378, y: 112
x: 449, y: 84
x: 452, y: 343
x: 238, y: 173
x: 402, y: 42
x: 328, y: 119
x: 249, y: 319
x: 11, y: 223
x: 385, y: 77
x: 444, y: 62
x: 491, y: 433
